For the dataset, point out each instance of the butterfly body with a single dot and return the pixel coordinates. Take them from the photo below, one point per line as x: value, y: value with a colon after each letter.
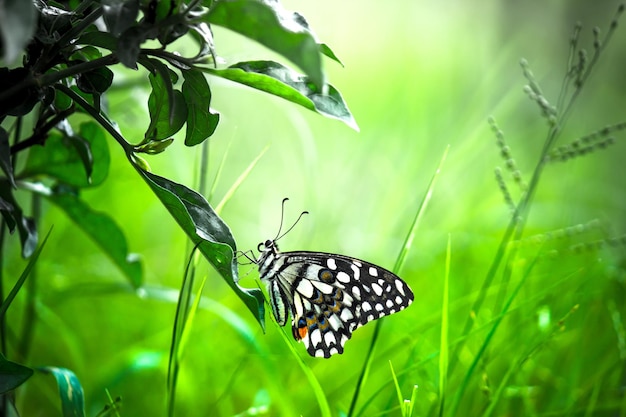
x: 327, y: 295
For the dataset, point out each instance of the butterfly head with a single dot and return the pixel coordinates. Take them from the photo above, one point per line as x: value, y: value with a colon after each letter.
x: 267, y: 249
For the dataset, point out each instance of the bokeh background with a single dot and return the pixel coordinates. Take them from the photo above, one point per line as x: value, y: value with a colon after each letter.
x: 419, y: 76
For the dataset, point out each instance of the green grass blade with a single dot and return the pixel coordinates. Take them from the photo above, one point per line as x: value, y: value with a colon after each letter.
x: 179, y: 347
x: 239, y: 181
x: 466, y: 380
x: 318, y: 392
x: 398, y: 391
x: 444, y: 349
x: 408, y: 241
x: 20, y: 281
x: 180, y: 323
x: 218, y: 173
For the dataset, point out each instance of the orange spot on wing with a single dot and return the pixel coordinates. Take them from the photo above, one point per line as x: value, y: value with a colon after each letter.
x: 302, y: 332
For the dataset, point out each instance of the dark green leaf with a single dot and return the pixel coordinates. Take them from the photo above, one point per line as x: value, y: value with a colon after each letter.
x: 100, y: 39
x: 103, y: 230
x: 96, y: 81
x: 14, y: 217
x: 280, y: 30
x: 6, y: 303
x: 12, y: 374
x: 61, y: 100
x: 19, y: 19
x: 164, y: 120
x: 196, y: 217
x: 85, y: 54
x: 83, y: 149
x: 201, y: 122
x: 168, y: 79
x: 5, y: 157
x: 119, y: 15
x: 59, y: 158
x: 276, y: 79
x: 70, y: 391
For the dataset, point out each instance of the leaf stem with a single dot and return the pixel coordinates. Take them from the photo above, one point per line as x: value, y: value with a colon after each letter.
x: 99, y: 117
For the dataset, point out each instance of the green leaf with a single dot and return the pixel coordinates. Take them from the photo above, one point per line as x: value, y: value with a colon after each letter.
x: 62, y: 101
x: 12, y: 374
x: 70, y: 391
x: 103, y: 230
x: 168, y: 110
x: 83, y: 150
x: 325, y: 49
x: 103, y: 40
x: 19, y: 20
x: 14, y: 217
x: 60, y: 159
x: 216, y: 243
x: 276, y: 79
x: 201, y: 123
x: 119, y: 15
x: 274, y: 27
x: 5, y: 157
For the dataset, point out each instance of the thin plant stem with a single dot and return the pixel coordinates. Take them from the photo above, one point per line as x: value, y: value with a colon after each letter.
x: 29, y: 314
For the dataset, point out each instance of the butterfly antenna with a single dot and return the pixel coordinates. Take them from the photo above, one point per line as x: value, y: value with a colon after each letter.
x: 282, y: 216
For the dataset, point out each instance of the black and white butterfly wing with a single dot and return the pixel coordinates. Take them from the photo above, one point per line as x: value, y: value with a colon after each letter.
x: 328, y: 295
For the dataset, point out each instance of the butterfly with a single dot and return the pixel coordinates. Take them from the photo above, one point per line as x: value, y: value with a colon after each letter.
x: 328, y: 296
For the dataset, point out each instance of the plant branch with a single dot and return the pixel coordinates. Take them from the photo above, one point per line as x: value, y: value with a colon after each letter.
x: 40, y: 134
x: 56, y: 76
x: 99, y: 117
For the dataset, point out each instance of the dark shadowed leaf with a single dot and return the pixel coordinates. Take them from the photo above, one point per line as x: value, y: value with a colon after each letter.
x: 276, y: 79
x: 278, y: 29
x: 103, y: 230
x: 12, y: 374
x: 5, y: 157
x: 15, y: 218
x: 96, y: 81
x: 60, y: 159
x: 216, y: 243
x: 22, y: 101
x: 129, y: 46
x: 70, y: 391
x: 201, y: 122
x: 119, y: 15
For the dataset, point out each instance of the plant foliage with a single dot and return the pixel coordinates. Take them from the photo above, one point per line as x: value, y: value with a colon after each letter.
x: 60, y: 60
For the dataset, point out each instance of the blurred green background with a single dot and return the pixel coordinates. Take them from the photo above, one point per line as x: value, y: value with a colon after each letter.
x: 419, y: 76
